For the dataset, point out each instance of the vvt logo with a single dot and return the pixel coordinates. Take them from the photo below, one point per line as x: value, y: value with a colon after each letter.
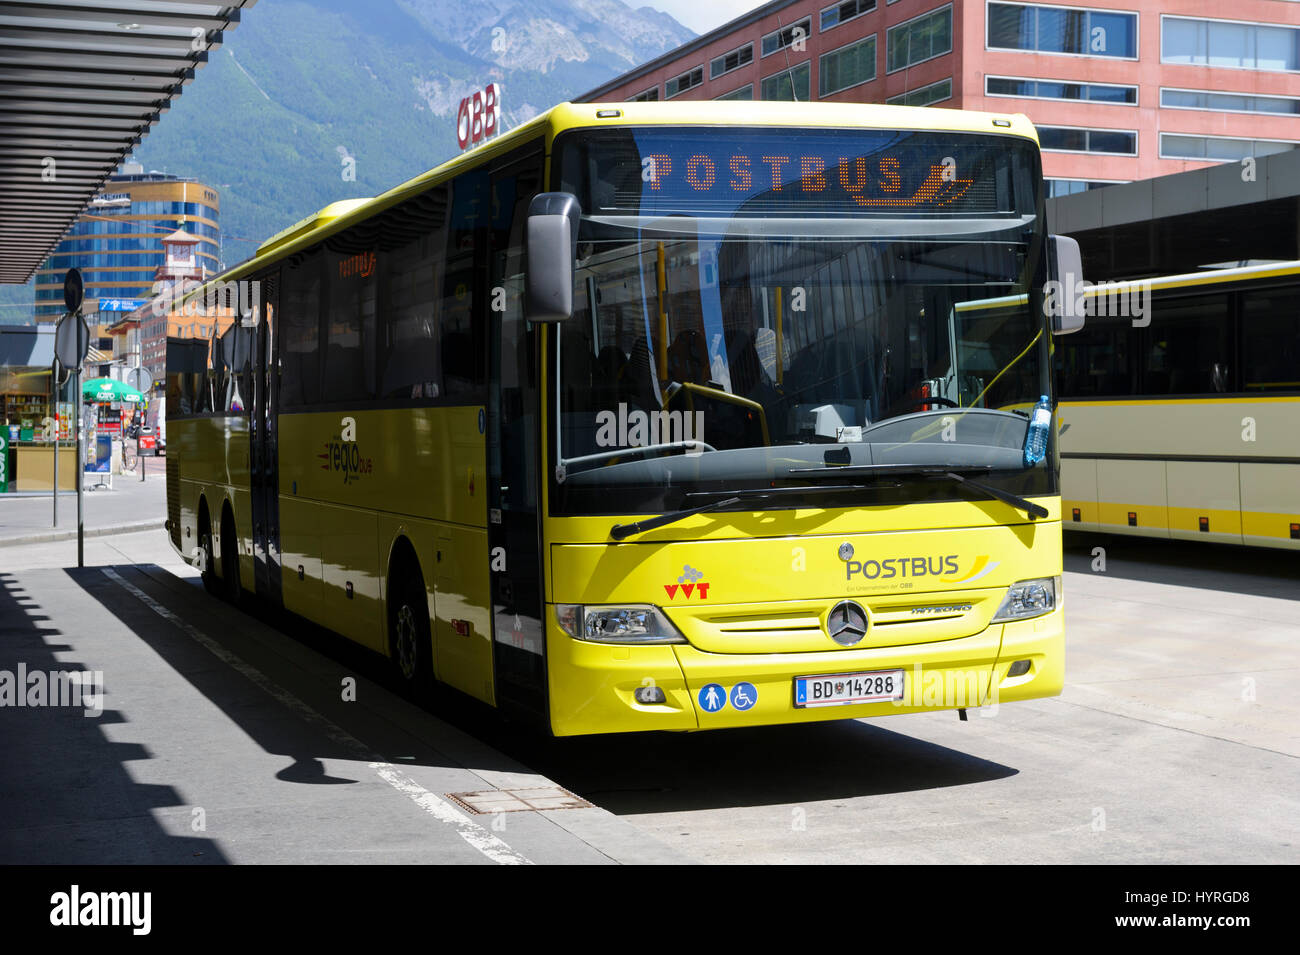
x: 688, y: 583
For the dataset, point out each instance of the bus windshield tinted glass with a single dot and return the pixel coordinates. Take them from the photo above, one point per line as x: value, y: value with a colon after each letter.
x: 659, y: 171
x: 710, y: 354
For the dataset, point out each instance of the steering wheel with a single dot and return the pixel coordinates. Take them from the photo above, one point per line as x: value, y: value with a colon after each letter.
x: 936, y: 400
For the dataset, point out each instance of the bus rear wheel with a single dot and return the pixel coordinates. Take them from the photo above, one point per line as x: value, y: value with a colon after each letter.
x: 230, y: 560
x: 208, y: 568
x: 410, y: 644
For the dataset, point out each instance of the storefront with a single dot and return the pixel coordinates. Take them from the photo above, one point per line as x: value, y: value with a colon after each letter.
x: 32, y: 410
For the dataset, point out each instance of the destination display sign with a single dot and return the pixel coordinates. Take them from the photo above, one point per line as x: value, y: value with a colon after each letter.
x: 804, y: 172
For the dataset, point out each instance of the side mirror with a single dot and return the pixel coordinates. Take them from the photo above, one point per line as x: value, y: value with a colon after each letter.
x: 1065, y: 284
x: 552, y: 238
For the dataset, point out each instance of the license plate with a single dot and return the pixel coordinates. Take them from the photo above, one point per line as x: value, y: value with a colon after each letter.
x: 839, y: 689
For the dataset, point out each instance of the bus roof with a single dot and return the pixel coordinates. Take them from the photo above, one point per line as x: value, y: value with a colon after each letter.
x: 339, y: 215
x: 1205, y: 277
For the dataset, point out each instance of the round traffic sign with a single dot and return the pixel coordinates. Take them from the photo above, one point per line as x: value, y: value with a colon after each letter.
x: 74, y: 290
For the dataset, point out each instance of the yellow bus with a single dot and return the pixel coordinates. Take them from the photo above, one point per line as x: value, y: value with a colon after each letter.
x: 1180, y: 408
x: 656, y: 417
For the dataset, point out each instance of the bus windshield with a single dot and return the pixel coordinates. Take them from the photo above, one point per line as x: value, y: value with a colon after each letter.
x: 747, y: 324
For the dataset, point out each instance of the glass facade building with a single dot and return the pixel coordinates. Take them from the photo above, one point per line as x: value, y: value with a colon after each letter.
x: 117, y: 241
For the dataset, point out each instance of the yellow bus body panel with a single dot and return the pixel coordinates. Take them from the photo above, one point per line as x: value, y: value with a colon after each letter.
x: 417, y: 474
x: 760, y: 616
x: 1116, y: 488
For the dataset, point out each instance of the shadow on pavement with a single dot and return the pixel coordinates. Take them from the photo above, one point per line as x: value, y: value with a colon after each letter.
x: 767, y: 765
x: 67, y: 794
x: 633, y: 773
x: 1260, y: 571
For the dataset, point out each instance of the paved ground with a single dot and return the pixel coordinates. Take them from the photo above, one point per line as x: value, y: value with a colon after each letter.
x: 221, y: 740
x: 131, y: 505
x: 1176, y: 741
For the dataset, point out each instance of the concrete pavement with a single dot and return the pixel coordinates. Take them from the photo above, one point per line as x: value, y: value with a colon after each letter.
x: 224, y: 740
x: 1175, y: 740
x: 131, y: 505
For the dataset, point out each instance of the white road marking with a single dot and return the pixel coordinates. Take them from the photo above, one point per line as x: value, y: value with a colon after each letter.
x: 474, y: 834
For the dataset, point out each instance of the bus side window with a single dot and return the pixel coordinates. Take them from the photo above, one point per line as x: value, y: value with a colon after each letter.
x: 349, y: 342
x: 1188, y: 348
x: 463, y: 342
x: 300, y: 382
x: 413, y: 242
x: 1270, y: 340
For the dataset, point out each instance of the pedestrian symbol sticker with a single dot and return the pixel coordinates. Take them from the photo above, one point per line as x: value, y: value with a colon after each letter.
x: 743, y: 696
x: 713, y: 697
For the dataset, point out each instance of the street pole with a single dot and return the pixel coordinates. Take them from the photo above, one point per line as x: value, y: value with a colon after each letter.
x: 54, y: 397
x: 80, y: 473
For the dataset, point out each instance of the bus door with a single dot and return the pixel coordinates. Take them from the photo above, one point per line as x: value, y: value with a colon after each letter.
x: 264, y: 472
x: 513, y: 432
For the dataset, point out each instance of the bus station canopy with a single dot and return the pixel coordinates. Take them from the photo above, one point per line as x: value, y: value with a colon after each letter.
x: 81, y: 83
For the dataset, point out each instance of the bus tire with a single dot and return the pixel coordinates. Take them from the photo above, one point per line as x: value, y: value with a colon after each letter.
x: 410, y: 642
x: 230, y: 559
x: 208, y: 571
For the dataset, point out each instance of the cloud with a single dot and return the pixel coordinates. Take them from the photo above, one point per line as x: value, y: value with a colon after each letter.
x: 702, y: 17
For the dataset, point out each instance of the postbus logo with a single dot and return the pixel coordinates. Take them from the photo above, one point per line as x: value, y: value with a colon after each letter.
x: 947, y: 567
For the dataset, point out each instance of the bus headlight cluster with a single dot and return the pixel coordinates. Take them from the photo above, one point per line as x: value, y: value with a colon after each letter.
x: 1029, y: 598
x: 634, y: 623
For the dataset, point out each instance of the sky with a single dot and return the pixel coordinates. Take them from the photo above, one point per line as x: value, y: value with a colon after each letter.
x: 700, y: 15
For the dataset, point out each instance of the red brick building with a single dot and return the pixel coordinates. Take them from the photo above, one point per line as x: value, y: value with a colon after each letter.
x: 1119, y: 90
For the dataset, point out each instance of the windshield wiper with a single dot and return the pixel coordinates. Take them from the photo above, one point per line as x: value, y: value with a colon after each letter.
x: 945, y: 471
x: 622, y: 531
x: 689, y: 447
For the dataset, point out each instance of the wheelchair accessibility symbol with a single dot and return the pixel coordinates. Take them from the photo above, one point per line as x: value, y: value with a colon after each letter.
x: 743, y: 696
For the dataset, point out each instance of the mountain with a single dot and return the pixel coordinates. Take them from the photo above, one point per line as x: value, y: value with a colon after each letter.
x: 301, y: 86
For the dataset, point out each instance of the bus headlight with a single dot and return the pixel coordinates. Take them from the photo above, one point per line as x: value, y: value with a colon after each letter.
x: 1029, y: 598
x: 634, y: 623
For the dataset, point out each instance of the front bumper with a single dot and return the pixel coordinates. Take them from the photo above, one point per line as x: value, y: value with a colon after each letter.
x: 592, y: 684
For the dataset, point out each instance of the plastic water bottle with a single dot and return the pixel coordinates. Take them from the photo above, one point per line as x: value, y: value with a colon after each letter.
x: 1040, y: 422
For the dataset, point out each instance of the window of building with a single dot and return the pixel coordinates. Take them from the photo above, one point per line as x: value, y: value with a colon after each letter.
x: 1218, y: 148
x: 731, y: 61
x: 788, y: 36
x: 1056, y: 89
x: 847, y: 66
x: 649, y: 96
x: 1033, y: 28
x: 919, y: 39
x: 1068, y: 187
x: 1242, y: 46
x: 680, y: 84
x: 925, y: 96
x: 833, y: 16
x: 1229, y: 102
x: 745, y: 92
x: 791, y: 84
x: 1072, y: 139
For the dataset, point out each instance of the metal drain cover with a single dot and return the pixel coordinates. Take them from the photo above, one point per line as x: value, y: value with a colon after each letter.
x: 489, y: 801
